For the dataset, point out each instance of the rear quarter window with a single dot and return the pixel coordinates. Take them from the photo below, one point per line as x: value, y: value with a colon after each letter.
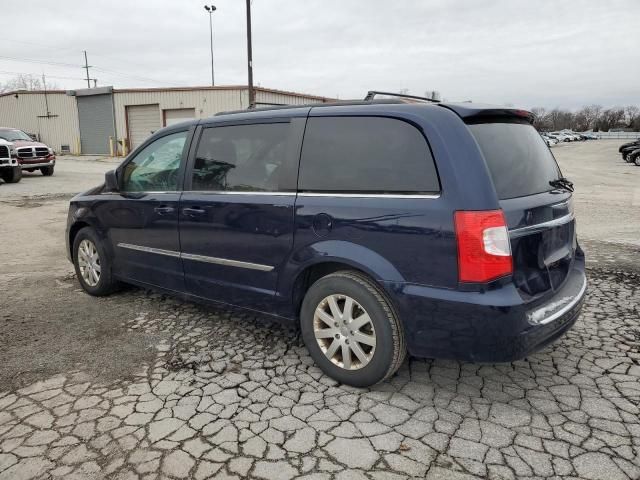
x: 519, y: 160
x: 366, y: 154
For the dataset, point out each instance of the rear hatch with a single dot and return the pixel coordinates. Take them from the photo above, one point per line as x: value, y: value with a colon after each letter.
x: 539, y: 217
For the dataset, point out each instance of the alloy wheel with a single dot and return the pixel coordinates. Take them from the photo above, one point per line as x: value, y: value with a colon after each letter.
x: 344, y: 332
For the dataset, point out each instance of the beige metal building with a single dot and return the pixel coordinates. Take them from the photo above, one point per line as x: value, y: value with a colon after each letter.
x: 95, y: 120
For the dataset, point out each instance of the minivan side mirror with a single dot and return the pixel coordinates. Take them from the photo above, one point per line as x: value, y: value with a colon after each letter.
x: 110, y: 181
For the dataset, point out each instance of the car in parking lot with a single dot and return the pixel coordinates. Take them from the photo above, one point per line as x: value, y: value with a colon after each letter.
x: 380, y: 227
x: 10, y: 171
x: 560, y: 137
x: 550, y: 141
x: 31, y: 155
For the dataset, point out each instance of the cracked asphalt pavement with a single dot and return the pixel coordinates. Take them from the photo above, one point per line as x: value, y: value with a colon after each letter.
x: 140, y: 385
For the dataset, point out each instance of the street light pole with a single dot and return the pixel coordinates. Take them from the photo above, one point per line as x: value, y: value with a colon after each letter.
x: 211, y: 9
x: 252, y: 93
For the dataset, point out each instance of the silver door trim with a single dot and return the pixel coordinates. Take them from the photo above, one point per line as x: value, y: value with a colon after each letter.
x: 158, y: 251
x: 368, y: 195
x: 198, y: 258
x: 226, y: 261
x: 556, y: 222
x: 232, y: 192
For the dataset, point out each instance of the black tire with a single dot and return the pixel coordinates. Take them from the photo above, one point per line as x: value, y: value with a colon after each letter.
x: 106, y: 283
x: 390, y: 349
x: 11, y: 175
x: 47, y: 171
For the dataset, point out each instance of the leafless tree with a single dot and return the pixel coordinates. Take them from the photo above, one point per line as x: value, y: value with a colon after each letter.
x: 25, y: 82
x: 560, y: 119
x: 611, y: 118
x: 541, y: 119
x: 591, y: 114
x: 632, y: 117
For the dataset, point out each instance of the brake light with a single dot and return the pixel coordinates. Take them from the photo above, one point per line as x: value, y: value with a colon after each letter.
x: 484, y: 250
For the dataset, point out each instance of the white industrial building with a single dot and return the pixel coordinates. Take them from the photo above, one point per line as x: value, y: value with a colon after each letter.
x: 94, y: 120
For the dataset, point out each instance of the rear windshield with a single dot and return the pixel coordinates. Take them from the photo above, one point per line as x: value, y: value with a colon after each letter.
x: 518, y: 158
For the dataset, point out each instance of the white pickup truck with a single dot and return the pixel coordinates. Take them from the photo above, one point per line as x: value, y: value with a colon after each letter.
x: 10, y: 170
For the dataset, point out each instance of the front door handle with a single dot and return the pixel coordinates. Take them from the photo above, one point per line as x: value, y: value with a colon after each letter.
x: 164, y: 210
x: 194, y: 211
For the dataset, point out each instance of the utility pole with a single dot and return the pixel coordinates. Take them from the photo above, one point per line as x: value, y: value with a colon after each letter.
x: 46, y: 100
x: 252, y: 93
x: 86, y: 67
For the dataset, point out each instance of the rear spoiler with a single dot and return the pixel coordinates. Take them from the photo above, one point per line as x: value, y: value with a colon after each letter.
x: 478, y: 113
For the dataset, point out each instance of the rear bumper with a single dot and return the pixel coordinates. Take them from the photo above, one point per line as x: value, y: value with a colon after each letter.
x: 493, y: 326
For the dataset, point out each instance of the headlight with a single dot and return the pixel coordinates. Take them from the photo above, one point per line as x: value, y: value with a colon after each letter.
x: 51, y: 152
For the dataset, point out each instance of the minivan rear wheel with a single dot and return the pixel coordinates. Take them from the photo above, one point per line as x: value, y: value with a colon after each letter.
x: 351, y: 329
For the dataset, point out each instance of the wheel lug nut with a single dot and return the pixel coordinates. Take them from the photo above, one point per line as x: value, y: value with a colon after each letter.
x: 337, y: 335
x: 347, y: 341
x: 336, y: 324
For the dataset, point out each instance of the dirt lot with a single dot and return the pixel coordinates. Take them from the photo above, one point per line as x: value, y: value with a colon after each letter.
x: 138, y: 385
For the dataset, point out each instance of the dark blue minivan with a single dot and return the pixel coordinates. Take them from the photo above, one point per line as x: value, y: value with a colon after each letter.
x: 383, y: 227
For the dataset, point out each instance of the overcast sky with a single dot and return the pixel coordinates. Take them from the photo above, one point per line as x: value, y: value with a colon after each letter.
x: 528, y: 53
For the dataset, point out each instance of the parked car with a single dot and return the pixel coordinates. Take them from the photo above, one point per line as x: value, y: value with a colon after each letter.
x: 634, y: 156
x: 10, y: 171
x: 445, y: 230
x: 628, y: 150
x: 550, y: 141
x: 629, y: 144
x: 31, y: 155
x: 572, y: 135
x: 561, y: 137
x: 589, y: 136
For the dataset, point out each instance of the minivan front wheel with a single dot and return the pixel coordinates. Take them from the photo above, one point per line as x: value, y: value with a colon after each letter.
x: 351, y: 330
x: 92, y: 264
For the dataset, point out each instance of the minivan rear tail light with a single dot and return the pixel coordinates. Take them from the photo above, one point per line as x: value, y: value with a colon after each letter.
x: 484, y: 249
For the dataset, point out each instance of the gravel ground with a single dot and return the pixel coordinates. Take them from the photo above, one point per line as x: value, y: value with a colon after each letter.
x: 140, y: 385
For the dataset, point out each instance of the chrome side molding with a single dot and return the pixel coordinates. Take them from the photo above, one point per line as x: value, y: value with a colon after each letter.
x: 198, y: 258
x: 158, y: 251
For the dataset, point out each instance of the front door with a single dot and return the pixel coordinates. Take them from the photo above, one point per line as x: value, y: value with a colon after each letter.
x: 237, y: 214
x: 142, y: 218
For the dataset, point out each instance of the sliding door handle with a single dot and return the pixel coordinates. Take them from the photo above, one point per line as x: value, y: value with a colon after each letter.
x: 194, y: 211
x: 164, y: 210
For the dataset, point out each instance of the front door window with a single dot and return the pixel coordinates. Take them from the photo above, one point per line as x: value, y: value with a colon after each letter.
x: 156, y: 167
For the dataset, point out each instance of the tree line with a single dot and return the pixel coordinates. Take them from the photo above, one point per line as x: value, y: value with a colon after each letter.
x: 590, y: 117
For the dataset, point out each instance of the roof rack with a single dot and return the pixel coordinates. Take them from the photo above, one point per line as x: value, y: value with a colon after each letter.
x: 262, y: 108
x: 372, y: 93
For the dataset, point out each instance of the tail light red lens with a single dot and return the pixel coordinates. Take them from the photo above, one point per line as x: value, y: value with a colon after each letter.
x: 484, y: 249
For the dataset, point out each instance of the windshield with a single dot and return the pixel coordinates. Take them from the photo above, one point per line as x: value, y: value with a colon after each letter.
x: 519, y: 160
x: 11, y: 135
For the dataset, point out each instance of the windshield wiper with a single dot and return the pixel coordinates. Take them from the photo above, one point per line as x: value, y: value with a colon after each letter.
x: 563, y: 183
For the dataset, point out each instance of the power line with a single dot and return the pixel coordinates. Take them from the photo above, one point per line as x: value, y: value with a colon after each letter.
x: 39, y: 45
x: 71, y: 65
x: 134, y: 77
x: 44, y: 62
x: 6, y: 72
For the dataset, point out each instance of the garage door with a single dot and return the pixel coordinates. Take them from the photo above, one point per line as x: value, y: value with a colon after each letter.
x: 142, y: 121
x: 95, y: 114
x: 177, y: 115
